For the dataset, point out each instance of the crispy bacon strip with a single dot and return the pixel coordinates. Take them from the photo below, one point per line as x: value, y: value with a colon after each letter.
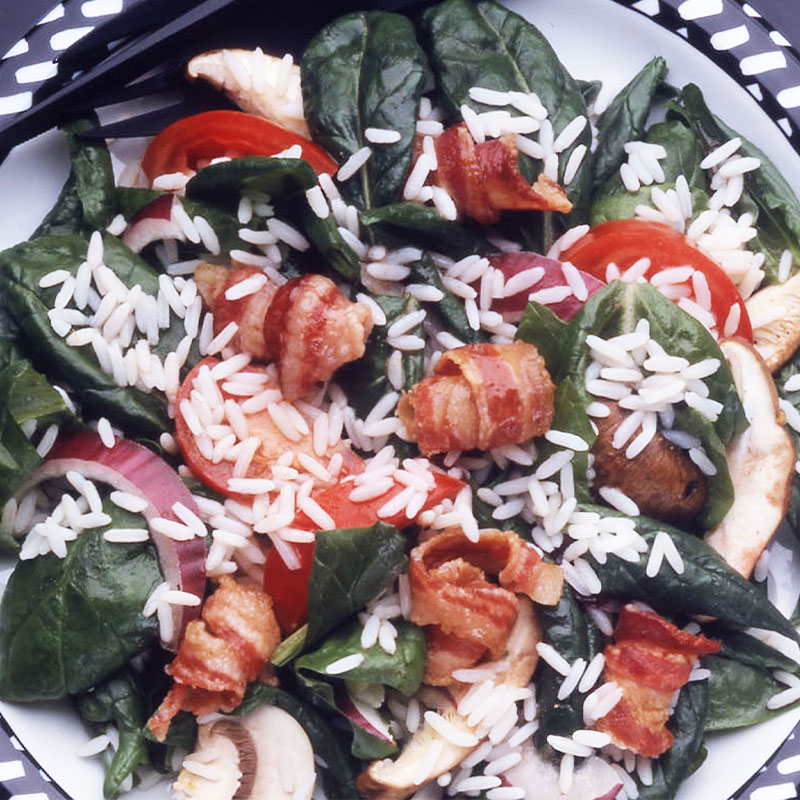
x: 213, y: 280
x: 650, y: 660
x: 312, y: 330
x: 483, y: 179
x: 450, y: 588
x: 480, y: 396
x: 446, y: 653
x: 219, y: 654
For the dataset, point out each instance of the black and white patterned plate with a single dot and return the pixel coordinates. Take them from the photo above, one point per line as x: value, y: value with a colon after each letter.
x: 732, y: 35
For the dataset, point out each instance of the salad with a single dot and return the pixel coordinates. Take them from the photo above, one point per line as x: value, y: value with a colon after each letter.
x: 418, y: 430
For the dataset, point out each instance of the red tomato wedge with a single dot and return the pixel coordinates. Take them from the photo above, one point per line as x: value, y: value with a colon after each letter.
x: 192, y: 141
x: 288, y: 588
x: 625, y: 241
x: 512, y: 264
x: 260, y: 424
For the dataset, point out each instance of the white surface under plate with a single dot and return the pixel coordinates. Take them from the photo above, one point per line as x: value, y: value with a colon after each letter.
x: 596, y: 39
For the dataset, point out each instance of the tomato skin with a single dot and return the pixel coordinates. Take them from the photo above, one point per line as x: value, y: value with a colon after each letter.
x: 512, y: 263
x: 288, y: 588
x: 180, y: 147
x: 625, y: 241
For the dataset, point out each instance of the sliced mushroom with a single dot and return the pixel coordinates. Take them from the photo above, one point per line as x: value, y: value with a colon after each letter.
x: 593, y: 778
x: 662, y: 480
x: 395, y: 780
x: 761, y: 463
x: 775, y: 315
x: 257, y: 83
x: 264, y: 755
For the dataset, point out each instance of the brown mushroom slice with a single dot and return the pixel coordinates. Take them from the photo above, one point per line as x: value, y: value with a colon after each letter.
x: 775, y: 316
x: 761, y: 463
x: 395, y: 780
x: 259, y: 84
x: 264, y: 755
x: 662, y: 480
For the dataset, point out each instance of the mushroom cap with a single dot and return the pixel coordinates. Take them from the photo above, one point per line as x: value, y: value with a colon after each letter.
x: 760, y: 461
x: 259, y: 84
x: 394, y: 780
x: 775, y: 315
x: 264, y: 755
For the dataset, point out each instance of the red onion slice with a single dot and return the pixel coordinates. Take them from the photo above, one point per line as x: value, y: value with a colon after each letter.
x: 152, y: 223
x: 129, y: 467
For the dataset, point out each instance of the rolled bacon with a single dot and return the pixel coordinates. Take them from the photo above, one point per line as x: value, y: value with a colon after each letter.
x: 219, y: 654
x: 312, y: 330
x: 480, y: 396
x: 650, y: 660
x: 450, y: 588
x: 484, y: 179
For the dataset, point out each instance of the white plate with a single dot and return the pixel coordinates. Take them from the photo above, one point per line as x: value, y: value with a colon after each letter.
x: 596, y: 39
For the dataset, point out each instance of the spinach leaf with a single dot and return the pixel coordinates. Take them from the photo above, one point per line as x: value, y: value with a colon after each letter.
x: 738, y: 694
x: 566, y: 628
x: 67, y: 624
x: 687, y: 724
x: 625, y: 118
x: 369, y: 373
x: 421, y: 225
x: 449, y: 310
x: 779, y: 218
x: 484, y: 44
x: 707, y: 585
x: 350, y: 567
x: 747, y: 649
x: 93, y: 175
x: 66, y: 215
x: 401, y: 670
x: 228, y: 180
x: 543, y: 328
x: 339, y: 771
x: 684, y: 153
x: 117, y: 700
x: 590, y: 90
x: 31, y: 397
x: 133, y: 199
x: 224, y: 223
x: 365, y: 70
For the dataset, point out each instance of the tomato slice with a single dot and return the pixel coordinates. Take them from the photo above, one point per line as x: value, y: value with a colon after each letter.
x: 187, y: 143
x: 288, y: 587
x: 625, y: 241
x: 273, y: 442
x: 511, y: 264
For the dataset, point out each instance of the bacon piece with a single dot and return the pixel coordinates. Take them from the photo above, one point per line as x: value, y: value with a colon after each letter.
x: 450, y: 588
x: 650, y: 660
x: 484, y: 179
x: 219, y: 654
x: 446, y: 653
x: 213, y: 280
x: 480, y: 396
x: 312, y: 329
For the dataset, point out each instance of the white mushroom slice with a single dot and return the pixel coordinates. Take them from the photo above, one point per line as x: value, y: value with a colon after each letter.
x: 257, y: 83
x: 761, y: 463
x: 775, y: 315
x: 264, y: 755
x: 593, y: 777
x: 398, y: 779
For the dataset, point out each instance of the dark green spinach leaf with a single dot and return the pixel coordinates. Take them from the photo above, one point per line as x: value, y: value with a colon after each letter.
x: 543, y: 328
x: 365, y: 70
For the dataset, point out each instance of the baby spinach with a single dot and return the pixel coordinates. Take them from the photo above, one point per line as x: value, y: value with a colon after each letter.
x: 365, y: 70
x: 687, y: 725
x: 707, y: 585
x: 414, y: 223
x: 402, y: 670
x: 738, y: 694
x: 484, y: 44
x: 543, y: 328
x: 746, y: 649
x: 68, y: 623
x: 779, y: 210
x: 339, y: 771
x: 66, y: 215
x: 567, y: 628
x: 369, y: 373
x: 117, y: 701
x: 625, y: 118
x: 351, y: 566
